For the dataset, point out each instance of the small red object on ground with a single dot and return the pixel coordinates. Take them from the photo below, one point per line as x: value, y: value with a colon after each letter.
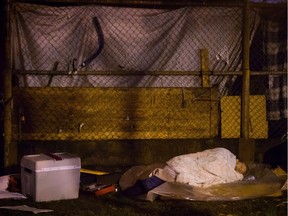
x: 106, y: 190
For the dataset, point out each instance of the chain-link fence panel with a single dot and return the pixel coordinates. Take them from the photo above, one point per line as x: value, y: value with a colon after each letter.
x: 115, y: 113
x: 107, y: 72
x: 112, y: 39
x: 269, y: 54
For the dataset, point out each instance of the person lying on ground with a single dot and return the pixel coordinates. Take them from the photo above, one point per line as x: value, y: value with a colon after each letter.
x: 200, y: 169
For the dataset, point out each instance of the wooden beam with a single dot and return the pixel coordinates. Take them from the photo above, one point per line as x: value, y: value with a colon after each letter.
x: 246, y: 146
x: 204, y: 60
x: 10, y: 150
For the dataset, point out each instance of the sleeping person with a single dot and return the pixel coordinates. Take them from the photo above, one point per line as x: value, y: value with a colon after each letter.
x: 200, y: 169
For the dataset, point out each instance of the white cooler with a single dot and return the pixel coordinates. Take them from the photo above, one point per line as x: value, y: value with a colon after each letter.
x: 48, y: 177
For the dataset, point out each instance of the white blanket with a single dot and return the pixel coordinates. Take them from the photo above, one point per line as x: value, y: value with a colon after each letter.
x: 201, y: 169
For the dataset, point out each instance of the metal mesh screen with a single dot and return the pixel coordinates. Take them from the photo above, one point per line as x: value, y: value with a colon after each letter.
x: 134, y: 73
x: 269, y: 53
x: 91, y: 40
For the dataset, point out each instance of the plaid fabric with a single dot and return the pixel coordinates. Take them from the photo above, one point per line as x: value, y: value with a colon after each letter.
x: 276, y: 60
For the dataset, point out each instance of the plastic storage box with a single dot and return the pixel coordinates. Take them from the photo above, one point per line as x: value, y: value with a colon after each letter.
x: 48, y: 177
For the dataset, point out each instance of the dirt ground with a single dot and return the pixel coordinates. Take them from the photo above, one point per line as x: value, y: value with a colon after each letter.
x: 116, y: 204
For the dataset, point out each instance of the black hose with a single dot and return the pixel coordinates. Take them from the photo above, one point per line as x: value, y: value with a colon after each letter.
x: 100, y: 42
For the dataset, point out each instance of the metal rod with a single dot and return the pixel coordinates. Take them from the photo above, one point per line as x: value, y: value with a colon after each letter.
x: 137, y: 2
x: 150, y: 73
x: 156, y: 3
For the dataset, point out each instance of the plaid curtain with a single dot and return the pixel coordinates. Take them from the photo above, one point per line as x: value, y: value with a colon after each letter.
x: 275, y: 49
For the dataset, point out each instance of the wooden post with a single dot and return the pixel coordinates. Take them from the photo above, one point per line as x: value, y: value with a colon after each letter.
x: 246, y: 146
x: 10, y: 150
x: 204, y: 60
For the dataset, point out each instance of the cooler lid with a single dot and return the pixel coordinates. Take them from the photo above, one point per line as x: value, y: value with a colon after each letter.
x: 51, y: 162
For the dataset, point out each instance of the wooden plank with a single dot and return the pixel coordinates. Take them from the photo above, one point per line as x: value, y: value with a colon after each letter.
x: 204, y: 60
x: 231, y: 116
x: 9, y: 148
x: 116, y: 113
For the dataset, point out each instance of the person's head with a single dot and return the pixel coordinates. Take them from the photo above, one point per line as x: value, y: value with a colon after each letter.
x: 240, y: 167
